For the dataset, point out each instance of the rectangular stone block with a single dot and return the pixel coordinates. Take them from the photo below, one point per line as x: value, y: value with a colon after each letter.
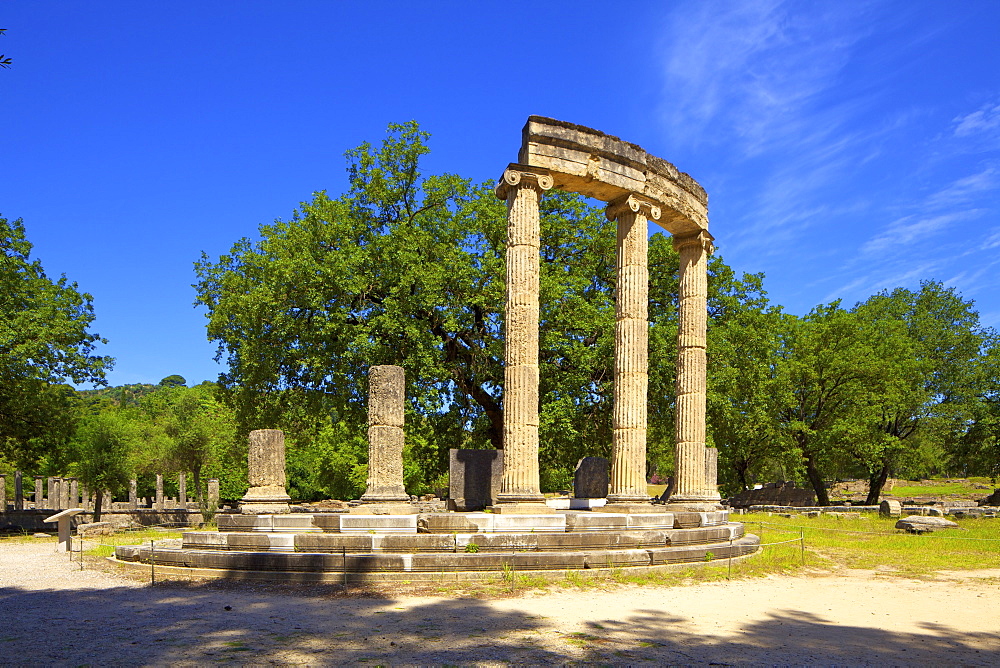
x: 378, y: 524
x: 457, y: 522
x: 549, y: 560
x: 415, y: 543
x: 530, y: 523
x: 474, y: 478
x: 616, y: 558
x: 324, y: 542
x: 295, y: 523
x: 281, y: 542
x: 205, y: 540
x: 493, y: 542
x: 590, y: 480
x: 650, y: 520
x: 327, y: 522
x: 248, y: 541
x: 596, y: 522
x: 561, y: 503
x: 228, y: 522
x: 587, y: 504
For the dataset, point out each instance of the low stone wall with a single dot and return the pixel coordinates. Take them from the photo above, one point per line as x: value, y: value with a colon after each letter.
x: 958, y: 511
x: 31, y: 521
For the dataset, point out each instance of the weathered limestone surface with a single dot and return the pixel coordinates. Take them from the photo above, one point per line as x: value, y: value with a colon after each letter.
x: 890, y: 508
x: 692, y: 483
x: 213, y: 492
x: 3, y: 493
x: 921, y: 524
x: 182, y: 488
x: 628, y: 448
x: 522, y: 189
x: 386, y: 393
x: 591, y: 478
x: 133, y: 494
x: 74, y: 493
x: 158, y: 503
x: 597, y: 165
x: 266, y: 473
x: 39, y: 497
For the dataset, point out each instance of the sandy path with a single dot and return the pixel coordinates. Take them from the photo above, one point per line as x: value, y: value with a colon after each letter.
x: 51, y: 613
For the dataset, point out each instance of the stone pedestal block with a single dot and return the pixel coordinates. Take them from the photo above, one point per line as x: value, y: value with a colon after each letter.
x: 591, y: 478
x: 266, y: 473
x: 39, y: 495
x: 474, y: 478
x: 18, y: 491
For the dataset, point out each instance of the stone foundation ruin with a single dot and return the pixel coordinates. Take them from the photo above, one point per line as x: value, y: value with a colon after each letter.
x: 522, y: 531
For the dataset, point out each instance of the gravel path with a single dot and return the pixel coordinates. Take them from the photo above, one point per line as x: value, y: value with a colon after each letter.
x: 53, y: 613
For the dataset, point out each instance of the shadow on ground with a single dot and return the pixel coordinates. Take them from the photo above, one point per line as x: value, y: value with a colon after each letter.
x: 200, y: 623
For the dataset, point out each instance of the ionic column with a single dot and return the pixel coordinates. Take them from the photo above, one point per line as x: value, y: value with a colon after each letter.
x: 386, y: 395
x: 692, y: 481
x: 522, y: 188
x: 628, y: 446
x: 266, y: 473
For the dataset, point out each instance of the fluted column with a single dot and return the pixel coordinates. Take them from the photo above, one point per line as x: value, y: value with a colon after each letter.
x: 522, y: 188
x: 628, y: 447
x: 386, y: 399
x: 266, y: 473
x: 692, y: 481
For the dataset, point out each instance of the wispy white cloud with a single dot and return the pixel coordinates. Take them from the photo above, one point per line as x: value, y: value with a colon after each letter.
x: 964, y: 189
x: 910, y: 229
x: 985, y: 120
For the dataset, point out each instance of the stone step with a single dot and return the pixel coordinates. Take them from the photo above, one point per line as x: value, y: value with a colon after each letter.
x: 455, y: 562
x: 454, y: 542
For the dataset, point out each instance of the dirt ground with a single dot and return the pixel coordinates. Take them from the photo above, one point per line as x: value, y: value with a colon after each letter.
x: 51, y: 612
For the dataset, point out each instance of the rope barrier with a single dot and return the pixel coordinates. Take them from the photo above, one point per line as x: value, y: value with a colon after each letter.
x: 872, y: 533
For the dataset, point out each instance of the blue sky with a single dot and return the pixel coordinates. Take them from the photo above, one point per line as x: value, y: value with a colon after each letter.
x: 847, y: 147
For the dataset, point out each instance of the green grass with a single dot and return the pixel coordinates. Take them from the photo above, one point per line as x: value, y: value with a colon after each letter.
x: 107, y: 544
x: 938, y: 489
x: 874, y: 543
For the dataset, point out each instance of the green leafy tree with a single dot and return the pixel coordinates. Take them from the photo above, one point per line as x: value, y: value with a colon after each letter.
x: 406, y: 269
x: 104, y: 445
x: 44, y: 342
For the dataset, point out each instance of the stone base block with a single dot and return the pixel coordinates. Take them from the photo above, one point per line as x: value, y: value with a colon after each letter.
x: 646, y: 507
x: 377, y: 524
x: 694, y: 506
x: 383, y: 509
x: 585, y: 504
x: 272, y: 500
x: 523, y: 508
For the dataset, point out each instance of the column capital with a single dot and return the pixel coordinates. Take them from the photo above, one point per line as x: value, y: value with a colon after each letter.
x: 630, y: 203
x: 523, y: 176
x: 701, y: 238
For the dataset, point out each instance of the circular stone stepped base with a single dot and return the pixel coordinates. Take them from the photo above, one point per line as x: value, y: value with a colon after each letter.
x: 445, y: 546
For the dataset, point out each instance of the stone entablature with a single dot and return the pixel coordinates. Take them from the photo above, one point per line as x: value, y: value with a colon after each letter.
x: 594, y: 164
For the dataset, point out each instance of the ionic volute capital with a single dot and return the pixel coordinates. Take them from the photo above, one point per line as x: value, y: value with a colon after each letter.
x: 631, y: 204
x: 701, y: 238
x: 520, y: 178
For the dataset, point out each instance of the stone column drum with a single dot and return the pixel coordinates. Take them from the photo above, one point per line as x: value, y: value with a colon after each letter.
x: 158, y: 503
x: 386, y: 394
x: 628, y: 450
x: 266, y: 473
x: 39, y: 499
x: 522, y: 189
x: 692, y: 484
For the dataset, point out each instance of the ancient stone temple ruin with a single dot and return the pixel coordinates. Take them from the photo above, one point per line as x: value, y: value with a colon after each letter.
x: 382, y: 540
x: 638, y: 188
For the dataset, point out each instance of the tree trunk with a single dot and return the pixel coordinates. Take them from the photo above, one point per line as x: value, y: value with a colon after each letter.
x: 98, y: 502
x: 876, y: 482
x: 197, y: 484
x: 816, y: 480
x: 741, y: 467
